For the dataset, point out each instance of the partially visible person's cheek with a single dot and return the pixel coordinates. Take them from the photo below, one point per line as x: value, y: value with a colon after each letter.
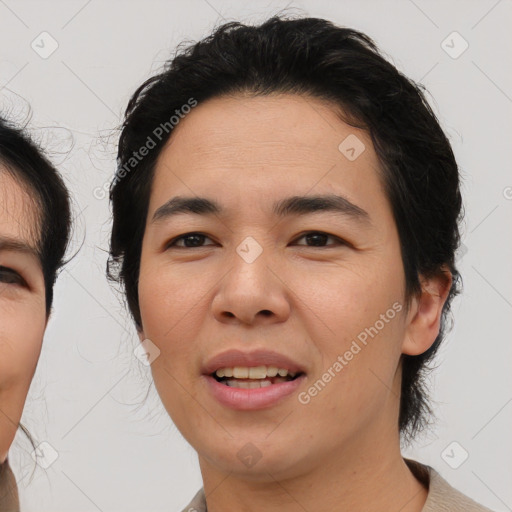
x: 21, y: 335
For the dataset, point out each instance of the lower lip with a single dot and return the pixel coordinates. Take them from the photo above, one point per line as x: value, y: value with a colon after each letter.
x: 252, y: 399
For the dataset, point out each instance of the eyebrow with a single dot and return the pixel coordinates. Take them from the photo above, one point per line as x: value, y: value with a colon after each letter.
x: 295, y: 205
x: 15, y: 245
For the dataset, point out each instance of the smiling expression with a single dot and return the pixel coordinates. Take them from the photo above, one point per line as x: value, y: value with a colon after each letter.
x: 22, y: 304
x: 266, y: 269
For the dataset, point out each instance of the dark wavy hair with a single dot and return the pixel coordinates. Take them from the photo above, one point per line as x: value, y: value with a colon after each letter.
x: 314, y: 57
x: 27, y: 164
x: 25, y: 161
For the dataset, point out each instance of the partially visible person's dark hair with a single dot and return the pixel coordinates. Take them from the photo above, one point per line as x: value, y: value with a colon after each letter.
x: 25, y: 162
x: 314, y: 58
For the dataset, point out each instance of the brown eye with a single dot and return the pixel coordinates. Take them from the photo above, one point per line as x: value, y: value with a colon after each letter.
x: 191, y: 241
x: 9, y: 276
x: 318, y: 238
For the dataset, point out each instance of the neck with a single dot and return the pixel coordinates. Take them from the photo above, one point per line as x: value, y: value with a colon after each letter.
x: 369, y: 475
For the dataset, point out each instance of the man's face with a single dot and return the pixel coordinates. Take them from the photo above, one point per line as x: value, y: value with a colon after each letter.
x: 22, y: 305
x: 305, y: 286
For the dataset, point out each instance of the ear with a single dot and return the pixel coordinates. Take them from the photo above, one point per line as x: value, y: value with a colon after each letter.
x: 424, y: 317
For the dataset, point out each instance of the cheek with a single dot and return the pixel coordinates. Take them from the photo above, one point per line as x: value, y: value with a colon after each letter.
x: 21, y: 335
x: 345, y: 301
x: 172, y: 306
x: 168, y: 307
x: 356, y: 328
x: 168, y: 299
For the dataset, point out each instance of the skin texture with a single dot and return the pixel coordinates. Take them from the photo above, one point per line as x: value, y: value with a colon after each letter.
x: 306, y: 300
x: 22, y: 305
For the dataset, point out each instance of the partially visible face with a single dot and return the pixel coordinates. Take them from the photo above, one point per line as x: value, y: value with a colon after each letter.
x: 303, y: 286
x: 22, y: 305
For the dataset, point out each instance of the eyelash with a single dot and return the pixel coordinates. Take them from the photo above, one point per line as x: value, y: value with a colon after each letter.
x: 12, y: 274
x: 171, y: 243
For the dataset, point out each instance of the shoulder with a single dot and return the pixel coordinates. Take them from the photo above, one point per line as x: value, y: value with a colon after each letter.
x: 442, y: 497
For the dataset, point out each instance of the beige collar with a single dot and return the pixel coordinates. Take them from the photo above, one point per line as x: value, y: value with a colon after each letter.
x: 442, y: 497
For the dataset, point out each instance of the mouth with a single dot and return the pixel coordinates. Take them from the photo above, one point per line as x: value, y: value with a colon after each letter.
x: 254, y: 377
x: 253, y: 380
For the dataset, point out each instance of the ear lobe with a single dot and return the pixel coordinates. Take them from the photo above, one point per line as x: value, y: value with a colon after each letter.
x: 425, y: 315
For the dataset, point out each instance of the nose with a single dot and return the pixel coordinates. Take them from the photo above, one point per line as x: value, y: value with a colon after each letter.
x: 252, y: 291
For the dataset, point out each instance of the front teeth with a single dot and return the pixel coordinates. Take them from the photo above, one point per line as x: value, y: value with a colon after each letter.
x: 243, y: 384
x: 255, y: 372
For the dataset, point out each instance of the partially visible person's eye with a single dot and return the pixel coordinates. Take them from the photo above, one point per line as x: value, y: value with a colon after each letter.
x: 10, y: 276
x: 319, y: 237
x: 194, y: 239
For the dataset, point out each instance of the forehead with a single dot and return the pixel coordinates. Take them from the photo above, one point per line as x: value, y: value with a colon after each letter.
x: 18, y: 211
x: 253, y: 150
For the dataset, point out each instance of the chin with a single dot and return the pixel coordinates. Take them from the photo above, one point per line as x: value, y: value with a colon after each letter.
x: 253, y: 461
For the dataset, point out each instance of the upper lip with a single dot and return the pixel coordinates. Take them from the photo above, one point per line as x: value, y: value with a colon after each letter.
x: 232, y: 358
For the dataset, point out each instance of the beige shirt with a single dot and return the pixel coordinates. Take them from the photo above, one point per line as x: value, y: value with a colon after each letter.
x: 442, y: 497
